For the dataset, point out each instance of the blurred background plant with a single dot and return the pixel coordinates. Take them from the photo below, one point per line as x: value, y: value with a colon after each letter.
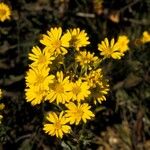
x: 122, y: 122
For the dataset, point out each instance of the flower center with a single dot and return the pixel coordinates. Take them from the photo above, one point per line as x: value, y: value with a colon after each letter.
x: 76, y: 90
x: 42, y: 59
x: 39, y: 79
x: 79, y: 113
x: 73, y: 41
x: 57, y: 125
x: 86, y: 60
x: 57, y: 44
x: 2, y: 12
x: 59, y: 88
x: 40, y: 92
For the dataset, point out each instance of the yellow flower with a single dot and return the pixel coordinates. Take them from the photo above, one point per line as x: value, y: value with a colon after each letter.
x: 1, y: 117
x: 78, y: 38
x: 110, y: 50
x: 94, y: 77
x: 57, y: 126
x: 59, y: 89
x: 100, y: 91
x: 5, y: 12
x: 40, y: 58
x: 76, y: 113
x: 86, y: 59
x: 79, y: 90
x: 2, y: 106
x: 145, y: 37
x: 55, y: 42
x: 123, y: 43
x: 39, y: 77
x: 35, y: 95
x: 1, y: 93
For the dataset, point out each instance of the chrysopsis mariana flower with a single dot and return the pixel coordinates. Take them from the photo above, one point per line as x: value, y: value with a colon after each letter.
x: 94, y: 77
x: 79, y: 38
x: 5, y: 12
x: 145, y: 37
x: 39, y: 78
x: 55, y: 42
x: 123, y: 42
x: 35, y: 95
x: 79, y: 90
x: 57, y: 125
x: 59, y: 90
x: 76, y: 113
x: 111, y: 49
x: 100, y: 91
x: 86, y: 59
x: 40, y: 58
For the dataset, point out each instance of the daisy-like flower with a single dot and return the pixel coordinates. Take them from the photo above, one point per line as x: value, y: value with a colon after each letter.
x: 110, y: 50
x: 40, y: 58
x: 100, y: 91
x: 123, y: 43
x: 59, y: 90
x: 39, y: 78
x: 2, y: 106
x: 1, y: 93
x: 86, y: 59
x: 76, y: 113
x: 78, y: 38
x: 55, y: 42
x: 57, y: 126
x: 145, y: 37
x: 1, y: 117
x: 5, y: 12
x: 94, y: 77
x: 79, y: 90
x: 35, y: 95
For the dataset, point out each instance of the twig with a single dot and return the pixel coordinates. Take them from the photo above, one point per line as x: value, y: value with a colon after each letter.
x: 86, y: 15
x: 139, y: 22
x: 23, y: 137
x: 129, y: 5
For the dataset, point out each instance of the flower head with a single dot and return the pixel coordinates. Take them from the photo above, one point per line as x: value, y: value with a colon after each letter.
x: 5, y: 12
x: 57, y: 125
x: 1, y: 93
x: 123, y: 43
x: 59, y: 90
x: 100, y: 91
x: 55, y: 42
x: 76, y: 113
x: 110, y: 50
x: 2, y: 106
x: 1, y: 117
x: 35, y: 95
x: 94, y: 77
x: 86, y: 59
x: 39, y: 78
x: 40, y: 58
x: 79, y: 90
x: 78, y: 38
x: 145, y: 37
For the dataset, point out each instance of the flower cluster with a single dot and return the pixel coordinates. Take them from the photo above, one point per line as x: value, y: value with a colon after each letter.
x: 65, y: 74
x: 5, y: 12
